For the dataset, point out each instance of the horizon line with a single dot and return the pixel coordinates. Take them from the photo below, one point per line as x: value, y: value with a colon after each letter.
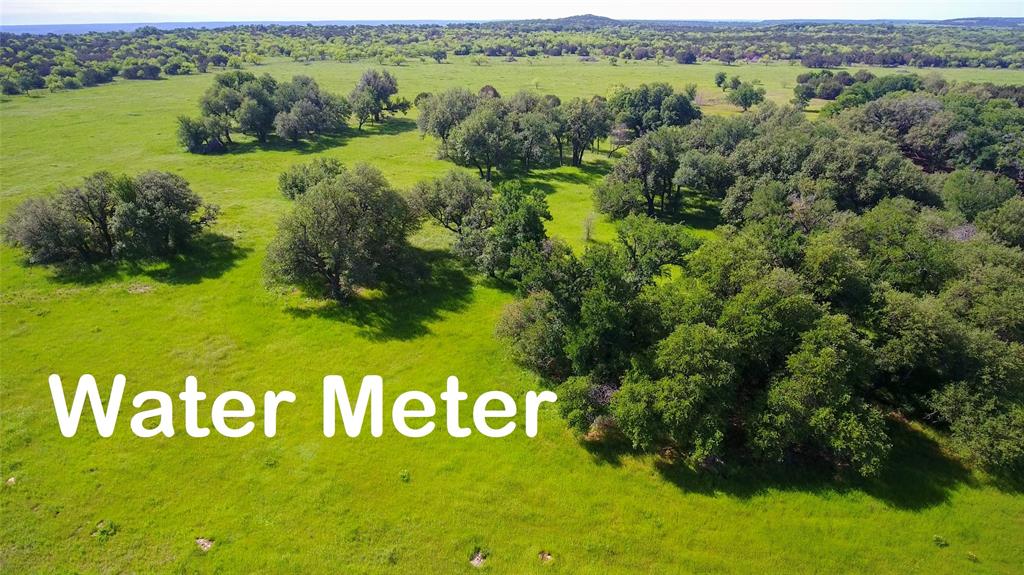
x: 413, y: 21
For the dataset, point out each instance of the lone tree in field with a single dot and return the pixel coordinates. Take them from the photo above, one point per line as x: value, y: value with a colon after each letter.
x: 372, y: 97
x: 344, y: 233
x: 745, y: 95
x: 107, y: 217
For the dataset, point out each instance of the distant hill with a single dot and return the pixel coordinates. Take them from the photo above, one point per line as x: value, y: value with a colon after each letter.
x: 996, y: 22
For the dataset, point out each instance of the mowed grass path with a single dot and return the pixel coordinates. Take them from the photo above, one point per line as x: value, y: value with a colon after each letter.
x: 300, y: 502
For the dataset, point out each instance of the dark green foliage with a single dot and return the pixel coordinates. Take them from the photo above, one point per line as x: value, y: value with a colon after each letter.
x: 456, y: 201
x: 586, y: 121
x: 580, y: 403
x: 1005, y: 223
x: 708, y: 172
x: 903, y: 246
x: 851, y: 287
x: 373, y: 97
x: 344, y: 233
x: 649, y: 166
x: 649, y: 107
x: 650, y: 245
x: 301, y: 178
x: 483, y: 140
x: 619, y: 198
x: 689, y: 399
x: 154, y: 214
x: 863, y: 92
x: 745, y: 94
x: 517, y: 222
x: 972, y: 192
x: 818, y: 399
x: 260, y: 106
x: 536, y: 336
x: 200, y: 136
x: 442, y: 112
x: 835, y: 273
x: 959, y: 129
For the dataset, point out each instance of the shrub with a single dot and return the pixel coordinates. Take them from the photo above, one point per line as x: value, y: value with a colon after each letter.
x: 110, y: 217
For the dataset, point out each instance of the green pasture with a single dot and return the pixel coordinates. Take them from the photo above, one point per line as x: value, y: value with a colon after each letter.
x: 300, y: 502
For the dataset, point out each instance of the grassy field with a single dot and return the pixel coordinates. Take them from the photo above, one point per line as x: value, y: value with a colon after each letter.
x: 301, y: 502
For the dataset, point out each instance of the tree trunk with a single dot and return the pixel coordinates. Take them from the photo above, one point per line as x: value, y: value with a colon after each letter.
x: 334, y: 283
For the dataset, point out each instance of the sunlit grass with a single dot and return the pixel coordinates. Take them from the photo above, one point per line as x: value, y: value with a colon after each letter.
x: 301, y: 502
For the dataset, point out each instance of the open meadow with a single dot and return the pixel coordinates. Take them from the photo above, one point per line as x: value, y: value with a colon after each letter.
x: 392, y: 504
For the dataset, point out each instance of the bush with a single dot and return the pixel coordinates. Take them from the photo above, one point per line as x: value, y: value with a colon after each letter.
x: 300, y: 178
x: 534, y: 332
x: 110, y: 217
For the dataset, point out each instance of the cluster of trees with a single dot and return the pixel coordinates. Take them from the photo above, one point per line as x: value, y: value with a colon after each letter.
x: 648, y: 107
x: 493, y: 228
x: 849, y: 283
x: 350, y: 228
x: 851, y: 163
x: 62, y: 61
x: 110, y: 217
x: 825, y: 84
x: 527, y: 130
x: 260, y: 106
x: 964, y: 127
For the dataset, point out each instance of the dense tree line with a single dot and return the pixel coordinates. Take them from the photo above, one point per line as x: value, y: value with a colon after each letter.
x: 110, y: 217
x: 527, y: 130
x: 849, y: 283
x: 66, y: 61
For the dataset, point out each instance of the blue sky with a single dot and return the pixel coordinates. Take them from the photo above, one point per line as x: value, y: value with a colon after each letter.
x: 13, y: 12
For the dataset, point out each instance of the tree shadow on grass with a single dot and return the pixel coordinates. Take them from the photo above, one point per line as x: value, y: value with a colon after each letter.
x: 209, y: 256
x: 917, y: 474
x: 403, y: 306
x: 699, y: 211
x: 322, y: 143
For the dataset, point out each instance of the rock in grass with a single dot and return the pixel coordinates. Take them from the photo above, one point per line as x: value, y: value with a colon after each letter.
x: 204, y: 544
x: 478, y: 558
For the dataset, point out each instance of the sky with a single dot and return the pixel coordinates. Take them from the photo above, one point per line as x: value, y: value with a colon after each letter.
x: 15, y: 12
